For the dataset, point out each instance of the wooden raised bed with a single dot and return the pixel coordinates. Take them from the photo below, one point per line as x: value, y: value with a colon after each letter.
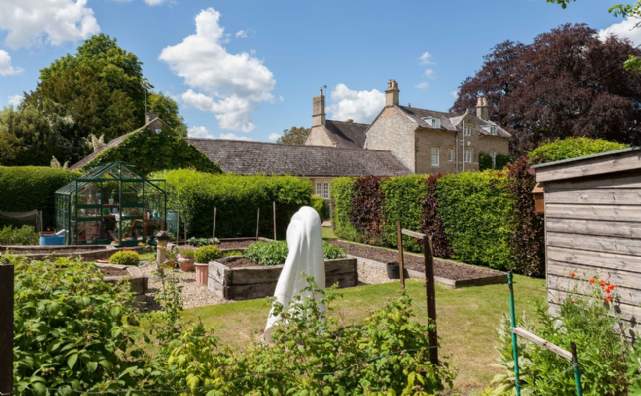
x: 255, y: 281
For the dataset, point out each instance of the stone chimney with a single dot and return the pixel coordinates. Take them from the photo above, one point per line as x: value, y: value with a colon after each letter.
x: 318, y: 110
x: 391, y: 93
x: 482, y: 110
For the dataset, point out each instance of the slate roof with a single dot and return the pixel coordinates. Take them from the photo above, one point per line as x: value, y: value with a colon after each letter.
x: 346, y: 134
x: 248, y: 158
x: 449, y: 121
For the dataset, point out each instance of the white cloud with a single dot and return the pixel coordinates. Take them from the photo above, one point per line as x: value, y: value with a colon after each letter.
x: 233, y: 136
x: 625, y: 29
x: 154, y: 3
x: 198, y: 132
x: 274, y: 136
x: 228, y: 85
x: 429, y: 73
x: 361, y: 106
x: 242, y: 34
x: 15, y: 100
x: 6, y: 68
x: 30, y: 22
x: 423, y: 85
x: 425, y: 58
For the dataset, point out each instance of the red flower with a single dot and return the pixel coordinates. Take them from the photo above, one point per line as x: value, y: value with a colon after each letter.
x: 572, y: 274
x: 592, y: 280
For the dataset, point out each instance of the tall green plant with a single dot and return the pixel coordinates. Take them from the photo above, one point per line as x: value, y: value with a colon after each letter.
x: 342, y: 191
x: 404, y: 198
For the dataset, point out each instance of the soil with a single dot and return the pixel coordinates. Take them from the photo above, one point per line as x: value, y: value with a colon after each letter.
x: 240, y: 262
x: 442, y: 268
x: 235, y: 244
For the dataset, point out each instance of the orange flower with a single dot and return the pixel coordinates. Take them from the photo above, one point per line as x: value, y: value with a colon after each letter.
x: 572, y: 274
x: 592, y: 280
x: 608, y: 298
x: 602, y: 283
x: 610, y: 288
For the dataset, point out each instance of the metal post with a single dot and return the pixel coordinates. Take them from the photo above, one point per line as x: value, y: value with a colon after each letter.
x: 431, y: 299
x: 213, y: 233
x: 515, y: 346
x: 257, y: 221
x: 577, y: 370
x: 401, y: 258
x: 6, y: 329
x: 274, y: 210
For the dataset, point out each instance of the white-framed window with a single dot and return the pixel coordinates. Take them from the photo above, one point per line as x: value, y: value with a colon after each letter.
x: 322, y: 189
x: 467, y: 130
x: 493, y: 155
x: 468, y: 155
x: 435, y: 156
x: 450, y: 155
x: 433, y: 122
x: 491, y: 129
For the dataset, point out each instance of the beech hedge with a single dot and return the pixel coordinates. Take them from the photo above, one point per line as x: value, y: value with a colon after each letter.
x: 27, y: 188
x: 236, y: 198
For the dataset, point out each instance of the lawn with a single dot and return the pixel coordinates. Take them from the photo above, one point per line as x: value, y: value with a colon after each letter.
x: 466, y: 319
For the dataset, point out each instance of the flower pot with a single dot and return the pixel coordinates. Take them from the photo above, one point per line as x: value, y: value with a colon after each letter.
x: 185, y: 264
x: 202, y: 273
x: 393, y: 270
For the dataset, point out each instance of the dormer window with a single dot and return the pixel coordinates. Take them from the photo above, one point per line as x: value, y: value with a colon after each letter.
x: 491, y: 129
x: 433, y: 122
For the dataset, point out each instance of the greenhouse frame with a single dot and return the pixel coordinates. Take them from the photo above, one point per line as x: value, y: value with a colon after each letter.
x: 111, y: 204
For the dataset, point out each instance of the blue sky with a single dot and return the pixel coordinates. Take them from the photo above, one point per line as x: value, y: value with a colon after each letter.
x: 253, y: 66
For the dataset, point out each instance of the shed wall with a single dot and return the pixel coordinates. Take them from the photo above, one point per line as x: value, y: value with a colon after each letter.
x: 593, y: 228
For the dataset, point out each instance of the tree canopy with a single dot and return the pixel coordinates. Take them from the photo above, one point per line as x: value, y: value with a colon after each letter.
x: 566, y: 83
x: 294, y: 135
x: 98, y: 90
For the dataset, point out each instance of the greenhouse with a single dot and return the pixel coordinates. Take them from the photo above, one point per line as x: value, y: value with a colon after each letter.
x: 111, y: 204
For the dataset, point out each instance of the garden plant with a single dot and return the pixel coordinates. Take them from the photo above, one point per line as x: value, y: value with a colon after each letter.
x: 275, y: 252
x: 125, y: 257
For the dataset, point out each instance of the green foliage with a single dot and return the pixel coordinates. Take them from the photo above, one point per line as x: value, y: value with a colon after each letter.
x: 476, y: 208
x: 187, y: 252
x: 73, y: 331
x: 561, y: 149
x: 342, y: 190
x: 25, y: 235
x: 207, y: 253
x: 320, y: 205
x: 404, y: 197
x: 27, y: 188
x: 485, y: 161
x: 125, y: 257
x: 275, y: 252
x: 195, y: 194
x: 609, y: 362
x: 294, y: 135
x: 193, y: 241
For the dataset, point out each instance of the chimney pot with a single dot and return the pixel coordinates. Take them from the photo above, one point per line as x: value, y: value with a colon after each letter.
x: 482, y: 110
x: 318, y: 110
x: 392, y: 93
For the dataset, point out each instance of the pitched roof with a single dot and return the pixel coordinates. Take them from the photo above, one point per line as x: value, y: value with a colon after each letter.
x: 346, y: 134
x: 450, y: 121
x: 245, y: 158
x: 112, y: 144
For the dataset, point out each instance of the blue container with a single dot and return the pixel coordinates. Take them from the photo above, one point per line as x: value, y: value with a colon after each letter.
x: 52, y: 240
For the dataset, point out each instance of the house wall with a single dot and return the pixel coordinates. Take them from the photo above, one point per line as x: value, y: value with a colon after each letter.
x: 393, y: 130
x: 426, y: 139
x: 487, y: 144
x: 593, y: 228
x: 319, y: 137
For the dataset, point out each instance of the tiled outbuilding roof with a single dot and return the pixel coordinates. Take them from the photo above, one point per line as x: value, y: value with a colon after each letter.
x: 248, y: 158
x: 346, y: 134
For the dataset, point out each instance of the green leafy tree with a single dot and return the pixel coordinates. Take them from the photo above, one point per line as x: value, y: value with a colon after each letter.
x: 166, y: 109
x: 294, y: 135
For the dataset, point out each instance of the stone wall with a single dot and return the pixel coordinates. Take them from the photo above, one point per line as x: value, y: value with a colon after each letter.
x: 318, y: 137
x: 393, y: 130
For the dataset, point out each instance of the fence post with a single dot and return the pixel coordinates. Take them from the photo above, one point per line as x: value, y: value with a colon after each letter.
x: 213, y: 232
x: 401, y: 258
x: 274, y: 207
x: 6, y: 329
x: 577, y: 370
x: 431, y: 299
x: 257, y: 221
x: 515, y: 346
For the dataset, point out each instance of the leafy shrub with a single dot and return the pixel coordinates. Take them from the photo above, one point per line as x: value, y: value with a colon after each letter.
x: 366, y: 205
x: 561, y: 149
x: 125, y: 257
x: 342, y: 190
x: 432, y: 221
x: 610, y: 364
x: 202, y: 241
x: 476, y: 208
x: 320, y: 205
x: 188, y: 252
x: 275, y: 252
x: 205, y: 254
x: 195, y: 194
x: 485, y: 161
x: 25, y: 235
x: 404, y: 198
x: 73, y: 331
x: 27, y: 188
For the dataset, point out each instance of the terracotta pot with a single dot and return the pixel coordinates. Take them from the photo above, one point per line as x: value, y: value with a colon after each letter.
x: 202, y: 273
x: 185, y: 264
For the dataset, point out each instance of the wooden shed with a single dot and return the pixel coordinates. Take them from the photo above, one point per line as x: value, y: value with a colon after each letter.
x: 593, y: 226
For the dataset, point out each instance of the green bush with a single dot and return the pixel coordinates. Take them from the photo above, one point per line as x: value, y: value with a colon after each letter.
x: 205, y: 254
x: 275, y: 252
x: 125, y: 257
x: 195, y: 194
x: 403, y: 201
x: 25, y: 235
x: 561, y: 149
x: 485, y: 161
x: 187, y: 252
x: 27, y: 188
x: 342, y: 191
x: 476, y: 209
x: 320, y: 205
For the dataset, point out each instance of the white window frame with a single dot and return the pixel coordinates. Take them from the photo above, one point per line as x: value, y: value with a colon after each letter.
x: 492, y: 129
x: 493, y: 155
x: 322, y: 189
x: 433, y: 122
x: 435, y: 154
x: 468, y: 155
x: 467, y: 130
x: 450, y: 155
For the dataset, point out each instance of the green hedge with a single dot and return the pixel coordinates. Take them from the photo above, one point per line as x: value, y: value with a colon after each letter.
x: 342, y: 191
x: 195, y: 194
x: 32, y: 187
x: 561, y: 149
x: 403, y: 200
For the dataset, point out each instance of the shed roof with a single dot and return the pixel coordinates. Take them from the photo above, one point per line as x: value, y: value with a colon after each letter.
x: 590, y: 165
x: 245, y: 157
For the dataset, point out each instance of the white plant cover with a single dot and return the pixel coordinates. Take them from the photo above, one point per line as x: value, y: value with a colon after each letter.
x: 304, y: 259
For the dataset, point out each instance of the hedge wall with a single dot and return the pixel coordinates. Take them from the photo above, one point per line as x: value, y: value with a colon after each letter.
x: 236, y: 198
x: 32, y: 187
x: 341, y: 191
x: 403, y: 200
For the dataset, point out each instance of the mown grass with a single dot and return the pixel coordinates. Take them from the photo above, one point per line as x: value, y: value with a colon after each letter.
x: 466, y: 319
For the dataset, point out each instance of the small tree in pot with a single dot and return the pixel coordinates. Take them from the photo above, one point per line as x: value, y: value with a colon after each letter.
x: 203, y: 255
x: 186, y: 258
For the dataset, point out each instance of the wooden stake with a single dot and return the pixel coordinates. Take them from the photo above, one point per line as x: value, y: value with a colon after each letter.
x: 213, y: 233
x: 257, y: 221
x: 274, y: 207
x: 431, y: 299
x: 6, y: 329
x: 401, y: 258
